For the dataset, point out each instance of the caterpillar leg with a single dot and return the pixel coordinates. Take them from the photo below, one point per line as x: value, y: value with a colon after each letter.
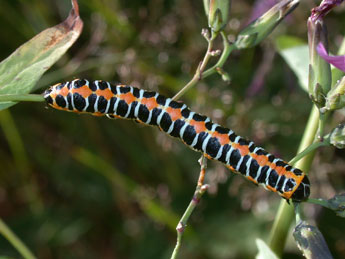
x: 113, y: 117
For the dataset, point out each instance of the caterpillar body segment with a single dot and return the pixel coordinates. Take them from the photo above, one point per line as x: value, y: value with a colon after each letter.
x: 176, y: 119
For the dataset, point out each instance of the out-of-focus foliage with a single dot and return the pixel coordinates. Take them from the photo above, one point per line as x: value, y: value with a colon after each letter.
x: 124, y: 203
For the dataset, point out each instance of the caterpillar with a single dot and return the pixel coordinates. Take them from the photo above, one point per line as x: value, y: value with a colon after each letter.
x: 176, y: 119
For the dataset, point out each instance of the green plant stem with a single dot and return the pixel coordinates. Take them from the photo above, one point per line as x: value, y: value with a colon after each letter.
x: 322, y: 120
x: 199, y: 191
x: 298, y: 212
x: 15, y: 241
x: 309, y: 149
x: 21, y: 98
x: 285, y: 213
x: 200, y: 73
x: 228, y: 48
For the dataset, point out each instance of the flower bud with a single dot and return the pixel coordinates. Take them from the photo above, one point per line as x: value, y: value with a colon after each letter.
x: 217, y: 12
x: 320, y: 77
x: 258, y: 30
x: 310, y: 241
x: 225, y: 76
x: 335, y: 97
x: 337, y: 136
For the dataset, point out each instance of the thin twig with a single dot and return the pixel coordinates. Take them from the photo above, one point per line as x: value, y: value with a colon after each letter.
x: 199, y: 71
x: 199, y: 191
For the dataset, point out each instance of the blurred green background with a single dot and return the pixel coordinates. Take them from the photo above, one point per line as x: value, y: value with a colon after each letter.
x: 78, y: 186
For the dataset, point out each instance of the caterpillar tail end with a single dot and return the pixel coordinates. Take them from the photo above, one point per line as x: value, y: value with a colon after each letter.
x: 302, y: 192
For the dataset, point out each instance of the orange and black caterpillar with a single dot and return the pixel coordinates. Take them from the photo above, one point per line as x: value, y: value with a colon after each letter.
x: 176, y: 119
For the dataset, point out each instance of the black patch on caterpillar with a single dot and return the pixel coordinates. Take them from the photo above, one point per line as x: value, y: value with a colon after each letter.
x: 201, y: 138
x: 155, y: 114
x: 60, y: 101
x: 144, y: 113
x: 124, y: 89
x: 165, y: 122
x: 296, y: 171
x: 92, y: 99
x: 251, y: 148
x: 111, y: 105
x: 79, y: 102
x: 175, y: 105
x: 102, y: 85
x: 222, y: 130
x: 148, y: 94
x: 290, y: 184
x: 136, y: 92
x: 198, y: 117
x: 79, y: 83
x: 161, y: 100
x: 232, y: 137
x: 243, y: 142
x: 254, y: 168
x: 49, y: 99
x: 189, y: 134
x: 101, y: 104
x: 69, y: 102
x: 243, y: 166
x: 263, y: 174
x: 122, y: 108
x: 225, y: 150
x: 235, y: 157
x: 93, y: 86
x: 178, y: 124
x: 280, y: 163
x: 208, y: 125
x: 273, y: 178
x: 280, y: 183
x: 271, y: 157
x: 132, y: 106
x: 185, y: 113
x: 212, y: 147
x: 113, y: 89
x: 261, y: 152
x: 288, y: 168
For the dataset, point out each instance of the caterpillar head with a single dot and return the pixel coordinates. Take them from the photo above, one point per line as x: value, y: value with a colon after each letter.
x: 302, y: 192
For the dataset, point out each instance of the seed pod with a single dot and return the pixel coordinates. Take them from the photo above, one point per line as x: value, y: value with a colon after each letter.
x: 258, y: 30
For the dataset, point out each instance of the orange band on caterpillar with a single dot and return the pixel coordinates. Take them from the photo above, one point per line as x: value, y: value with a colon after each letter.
x: 195, y: 130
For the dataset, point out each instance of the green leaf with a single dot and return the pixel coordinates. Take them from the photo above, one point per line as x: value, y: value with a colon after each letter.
x: 264, y: 251
x: 23, y: 68
x: 296, y: 56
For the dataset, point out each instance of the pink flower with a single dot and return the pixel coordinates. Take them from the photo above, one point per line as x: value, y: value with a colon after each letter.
x: 337, y: 61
